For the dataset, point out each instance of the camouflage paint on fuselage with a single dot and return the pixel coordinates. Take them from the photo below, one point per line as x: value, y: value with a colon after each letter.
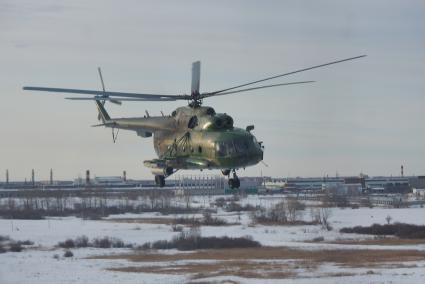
x: 197, y: 138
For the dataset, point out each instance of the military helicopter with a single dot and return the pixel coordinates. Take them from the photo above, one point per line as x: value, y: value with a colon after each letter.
x: 192, y: 137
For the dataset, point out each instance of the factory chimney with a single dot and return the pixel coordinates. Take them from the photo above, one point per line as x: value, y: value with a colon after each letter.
x: 87, y: 177
x: 124, y: 176
x: 51, y: 176
x: 33, y: 177
x: 402, y: 171
x: 7, y: 176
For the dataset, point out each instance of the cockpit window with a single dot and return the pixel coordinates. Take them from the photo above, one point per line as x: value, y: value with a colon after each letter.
x: 241, y: 145
x: 231, y: 147
x: 225, y: 148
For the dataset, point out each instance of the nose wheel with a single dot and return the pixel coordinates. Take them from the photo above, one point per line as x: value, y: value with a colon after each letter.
x: 234, y: 182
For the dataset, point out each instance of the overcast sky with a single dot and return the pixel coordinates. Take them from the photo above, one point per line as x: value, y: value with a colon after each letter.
x: 366, y: 115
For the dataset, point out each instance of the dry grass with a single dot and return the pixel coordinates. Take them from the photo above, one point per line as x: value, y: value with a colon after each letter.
x: 380, y: 241
x: 264, y: 262
x: 245, y: 269
x: 342, y: 256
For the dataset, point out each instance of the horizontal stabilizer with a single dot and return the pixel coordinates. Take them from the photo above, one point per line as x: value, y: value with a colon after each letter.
x: 110, y: 124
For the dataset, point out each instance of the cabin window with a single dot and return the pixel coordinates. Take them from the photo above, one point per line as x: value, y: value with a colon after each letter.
x: 199, y: 149
x: 193, y: 122
x: 210, y: 111
x: 225, y: 148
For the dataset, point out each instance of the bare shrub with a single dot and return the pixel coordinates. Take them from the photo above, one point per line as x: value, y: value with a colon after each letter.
x: 176, y: 228
x: 104, y: 242
x: 15, y: 247
x: 82, y: 242
x: 236, y: 207
x: 283, y: 213
x: 220, y: 202
x: 318, y: 239
x: 26, y: 243
x: 191, y: 241
x: 388, y: 219
x: 208, y: 220
x: 2, y: 249
x: 69, y: 243
x: 68, y: 253
x: 293, y: 209
x: 325, y: 213
x: 4, y: 238
x: 401, y: 230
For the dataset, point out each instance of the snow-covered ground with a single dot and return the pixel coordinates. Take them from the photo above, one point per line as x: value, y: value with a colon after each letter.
x: 38, y: 265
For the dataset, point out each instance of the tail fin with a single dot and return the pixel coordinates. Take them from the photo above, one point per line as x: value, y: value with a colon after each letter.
x: 103, y: 114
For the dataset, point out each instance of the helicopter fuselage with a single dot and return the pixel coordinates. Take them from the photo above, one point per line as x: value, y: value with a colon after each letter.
x: 207, y: 140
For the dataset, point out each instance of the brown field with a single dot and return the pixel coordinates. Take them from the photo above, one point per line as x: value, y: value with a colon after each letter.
x: 265, y: 262
x: 381, y: 241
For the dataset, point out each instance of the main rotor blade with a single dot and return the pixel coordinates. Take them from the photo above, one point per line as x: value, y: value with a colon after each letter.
x: 109, y: 99
x: 255, y: 88
x: 286, y: 74
x: 101, y: 78
x: 154, y: 97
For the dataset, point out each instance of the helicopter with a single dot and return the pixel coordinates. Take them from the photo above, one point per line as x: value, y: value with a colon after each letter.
x: 193, y: 137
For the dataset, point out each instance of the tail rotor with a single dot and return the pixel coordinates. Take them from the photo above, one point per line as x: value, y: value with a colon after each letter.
x: 104, y: 96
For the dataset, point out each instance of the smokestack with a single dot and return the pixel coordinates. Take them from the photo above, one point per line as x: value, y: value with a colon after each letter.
x: 33, y: 177
x: 51, y: 176
x: 87, y: 177
x: 7, y: 176
x: 402, y: 171
x: 124, y: 176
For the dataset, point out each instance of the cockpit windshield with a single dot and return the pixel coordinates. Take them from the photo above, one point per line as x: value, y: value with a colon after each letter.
x: 231, y: 147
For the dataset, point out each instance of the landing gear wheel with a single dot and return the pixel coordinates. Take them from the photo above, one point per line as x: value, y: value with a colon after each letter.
x: 225, y: 172
x: 234, y: 182
x: 160, y: 181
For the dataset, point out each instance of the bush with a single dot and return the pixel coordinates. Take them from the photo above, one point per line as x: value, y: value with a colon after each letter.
x: 107, y: 242
x: 26, y: 243
x: 69, y: 243
x: 401, y: 230
x: 318, y: 239
x: 208, y: 220
x: 15, y: 247
x: 236, y: 207
x: 2, y: 249
x: 192, y: 240
x: 4, y: 238
x: 177, y: 228
x: 68, y: 253
x: 82, y: 242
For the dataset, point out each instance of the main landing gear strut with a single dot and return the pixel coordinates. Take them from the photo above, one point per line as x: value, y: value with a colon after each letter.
x: 234, y: 182
x: 160, y: 180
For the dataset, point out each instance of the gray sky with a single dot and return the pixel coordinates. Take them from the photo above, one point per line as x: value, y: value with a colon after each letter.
x: 367, y: 115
